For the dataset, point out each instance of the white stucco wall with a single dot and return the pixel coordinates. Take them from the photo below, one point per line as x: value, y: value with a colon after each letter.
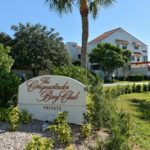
x: 139, y: 70
x: 72, y: 50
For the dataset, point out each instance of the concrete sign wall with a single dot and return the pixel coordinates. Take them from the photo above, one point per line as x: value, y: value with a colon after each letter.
x: 45, y: 96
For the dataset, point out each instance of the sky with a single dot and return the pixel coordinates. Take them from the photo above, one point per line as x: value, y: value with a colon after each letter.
x: 131, y: 15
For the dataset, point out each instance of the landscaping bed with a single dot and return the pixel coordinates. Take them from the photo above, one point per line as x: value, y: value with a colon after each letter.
x: 16, y: 140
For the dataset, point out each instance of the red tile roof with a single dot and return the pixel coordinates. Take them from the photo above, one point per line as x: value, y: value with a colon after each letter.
x: 139, y: 63
x: 78, y: 47
x: 137, y: 53
x: 104, y: 35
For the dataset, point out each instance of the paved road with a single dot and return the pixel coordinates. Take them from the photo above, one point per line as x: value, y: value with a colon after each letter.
x: 126, y: 83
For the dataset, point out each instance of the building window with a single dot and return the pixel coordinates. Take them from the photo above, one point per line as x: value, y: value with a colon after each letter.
x: 95, y: 67
x: 144, y: 51
x: 138, y: 58
x: 132, y: 58
x: 124, y: 46
x: 73, y: 45
x: 144, y: 58
x: 129, y: 67
x: 136, y: 47
x: 79, y: 56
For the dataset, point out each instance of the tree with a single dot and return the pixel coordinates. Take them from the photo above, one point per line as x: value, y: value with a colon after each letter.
x: 5, y: 39
x: 109, y: 57
x: 85, y: 7
x: 6, y: 61
x: 36, y: 48
x: 127, y: 56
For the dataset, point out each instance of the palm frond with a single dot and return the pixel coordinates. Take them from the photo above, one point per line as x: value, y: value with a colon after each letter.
x: 94, y: 8
x: 95, y: 5
x: 106, y: 3
x: 60, y: 6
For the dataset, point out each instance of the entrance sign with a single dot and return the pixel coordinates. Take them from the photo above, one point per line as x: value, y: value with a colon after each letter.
x: 45, y: 96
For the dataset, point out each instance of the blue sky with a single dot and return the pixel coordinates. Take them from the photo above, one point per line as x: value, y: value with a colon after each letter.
x: 131, y: 15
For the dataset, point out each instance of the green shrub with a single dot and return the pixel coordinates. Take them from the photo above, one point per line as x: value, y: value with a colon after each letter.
x: 136, y: 77
x: 13, y: 119
x: 81, y: 74
x: 61, y: 128
x: 145, y: 87
x: 120, y: 90
x: 138, y: 88
x: 25, y: 117
x: 103, y: 114
x: 148, y: 86
x: 100, y: 108
x: 4, y: 112
x: 8, y: 89
x: 39, y: 143
x: 128, y: 89
x: 70, y: 147
x: 133, y: 88
x: 113, y: 92
x: 119, y: 133
x: 86, y: 130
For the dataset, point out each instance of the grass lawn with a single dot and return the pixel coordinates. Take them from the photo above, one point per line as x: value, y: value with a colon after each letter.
x: 138, y: 106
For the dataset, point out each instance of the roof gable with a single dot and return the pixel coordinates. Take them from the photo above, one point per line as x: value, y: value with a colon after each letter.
x: 104, y: 35
x: 108, y: 33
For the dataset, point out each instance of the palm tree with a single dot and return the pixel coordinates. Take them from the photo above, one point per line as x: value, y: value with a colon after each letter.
x: 85, y: 7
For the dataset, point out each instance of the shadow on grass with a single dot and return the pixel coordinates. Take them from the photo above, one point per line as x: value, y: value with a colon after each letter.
x: 144, y: 107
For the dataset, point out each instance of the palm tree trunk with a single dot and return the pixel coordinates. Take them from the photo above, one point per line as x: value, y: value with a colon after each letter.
x: 85, y: 30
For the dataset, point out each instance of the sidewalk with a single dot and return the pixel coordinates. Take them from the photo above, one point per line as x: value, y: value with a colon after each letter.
x: 126, y: 83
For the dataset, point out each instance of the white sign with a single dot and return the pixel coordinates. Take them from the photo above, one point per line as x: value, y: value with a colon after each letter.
x: 45, y: 96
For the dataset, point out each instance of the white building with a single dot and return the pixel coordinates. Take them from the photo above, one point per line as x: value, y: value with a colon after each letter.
x: 74, y: 51
x: 121, y: 38
x: 124, y: 40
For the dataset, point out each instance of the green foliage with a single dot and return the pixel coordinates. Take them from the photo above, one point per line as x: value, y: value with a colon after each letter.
x: 25, y: 117
x: 8, y: 89
x: 39, y: 143
x: 102, y: 113
x: 85, y: 130
x: 5, y: 39
x: 148, y: 86
x: 127, y: 89
x: 138, y: 107
x: 61, y: 128
x: 119, y: 132
x: 109, y: 57
x: 139, y: 88
x: 13, y: 119
x: 4, y: 112
x: 6, y: 61
x: 76, y: 72
x: 133, y: 88
x: 100, y: 109
x: 37, y: 48
x: 145, y: 87
x: 70, y: 147
x: 136, y: 77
